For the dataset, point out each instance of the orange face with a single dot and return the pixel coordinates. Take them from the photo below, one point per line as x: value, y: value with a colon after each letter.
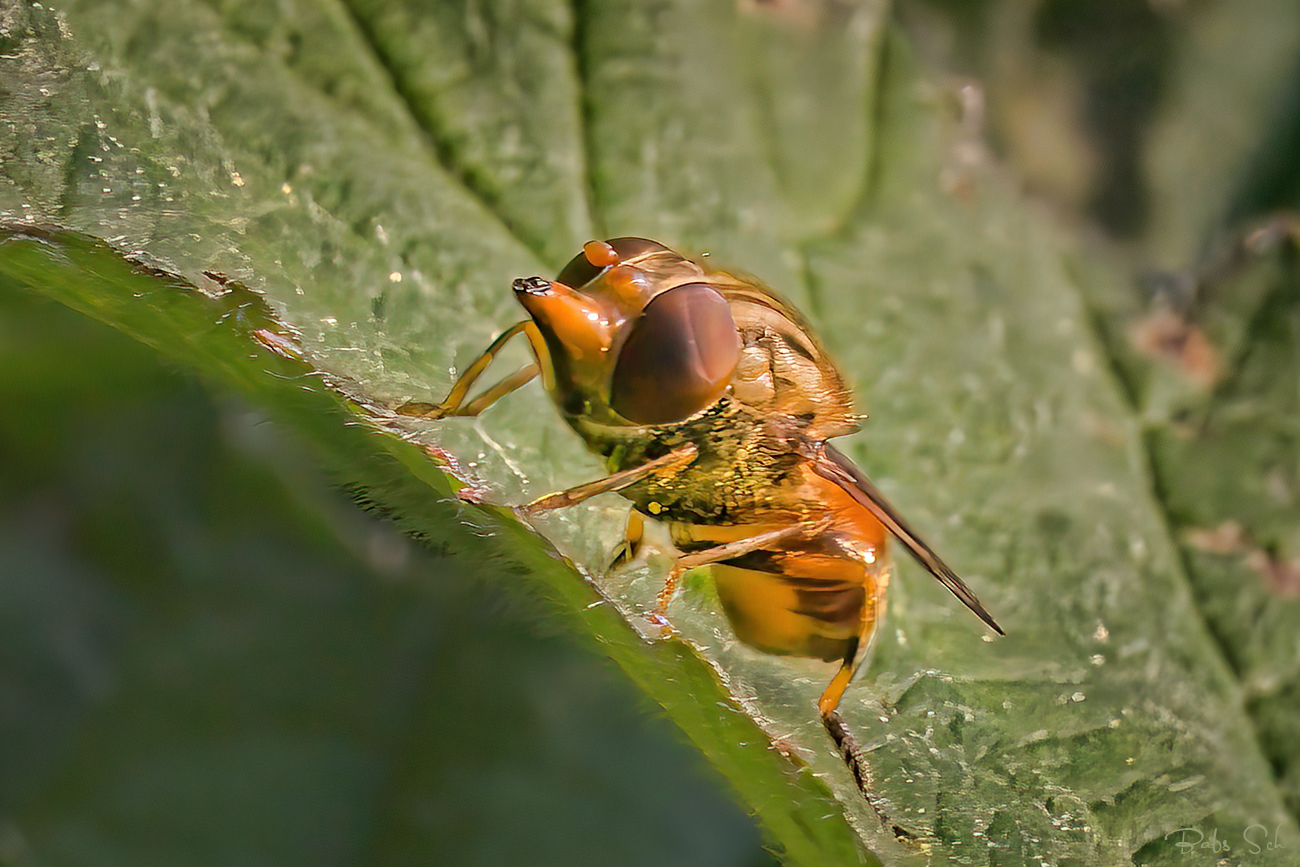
x: 633, y: 334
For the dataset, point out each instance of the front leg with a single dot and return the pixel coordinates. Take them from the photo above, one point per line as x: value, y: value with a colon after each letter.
x: 662, y: 466
x: 454, y: 403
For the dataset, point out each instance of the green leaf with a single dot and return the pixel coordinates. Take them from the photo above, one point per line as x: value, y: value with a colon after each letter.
x: 379, y: 174
x: 210, y: 657
x: 1179, y: 125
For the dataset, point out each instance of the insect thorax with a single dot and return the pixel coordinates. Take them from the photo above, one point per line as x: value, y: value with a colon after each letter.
x: 746, y: 464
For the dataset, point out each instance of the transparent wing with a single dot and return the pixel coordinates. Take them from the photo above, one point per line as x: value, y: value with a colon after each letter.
x: 829, y: 463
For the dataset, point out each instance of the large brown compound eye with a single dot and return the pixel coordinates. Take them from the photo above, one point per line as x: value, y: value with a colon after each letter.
x: 678, y: 358
x: 579, y: 272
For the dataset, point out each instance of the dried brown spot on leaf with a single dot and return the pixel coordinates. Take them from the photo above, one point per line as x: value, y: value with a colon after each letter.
x: 1278, y: 230
x: 1281, y: 574
x: 1227, y: 538
x: 1175, y: 339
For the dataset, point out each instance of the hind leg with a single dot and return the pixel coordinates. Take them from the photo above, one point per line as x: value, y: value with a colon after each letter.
x: 872, y: 611
x: 835, y: 689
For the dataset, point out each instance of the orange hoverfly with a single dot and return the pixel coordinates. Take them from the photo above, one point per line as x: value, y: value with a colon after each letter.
x: 711, y: 401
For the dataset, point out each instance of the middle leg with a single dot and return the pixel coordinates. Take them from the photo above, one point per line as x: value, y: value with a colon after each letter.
x: 718, y: 553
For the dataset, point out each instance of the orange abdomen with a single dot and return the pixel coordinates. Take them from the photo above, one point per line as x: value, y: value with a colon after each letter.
x: 817, y: 597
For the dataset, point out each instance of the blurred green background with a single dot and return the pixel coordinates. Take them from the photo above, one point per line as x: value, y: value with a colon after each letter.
x: 205, y: 647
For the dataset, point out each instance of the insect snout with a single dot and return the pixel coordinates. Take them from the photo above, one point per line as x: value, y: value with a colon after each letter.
x: 532, y: 286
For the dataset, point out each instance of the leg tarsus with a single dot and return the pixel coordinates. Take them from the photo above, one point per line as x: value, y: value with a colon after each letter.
x: 420, y: 409
x: 852, y: 754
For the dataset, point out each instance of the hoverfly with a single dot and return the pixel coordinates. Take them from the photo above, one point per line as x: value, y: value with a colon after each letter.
x: 711, y: 401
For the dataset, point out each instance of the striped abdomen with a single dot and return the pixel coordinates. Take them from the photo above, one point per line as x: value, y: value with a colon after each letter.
x: 817, y: 597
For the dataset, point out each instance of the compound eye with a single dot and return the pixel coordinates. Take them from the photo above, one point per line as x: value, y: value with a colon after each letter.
x: 678, y: 358
x: 580, y: 271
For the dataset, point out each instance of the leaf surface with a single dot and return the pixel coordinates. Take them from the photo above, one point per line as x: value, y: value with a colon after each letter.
x: 381, y: 197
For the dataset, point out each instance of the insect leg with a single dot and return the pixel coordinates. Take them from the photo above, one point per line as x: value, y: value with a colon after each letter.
x: 631, y: 545
x: 728, y: 550
x: 518, y: 379
x: 872, y: 611
x: 452, y: 403
x: 668, y: 463
x: 834, y: 691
